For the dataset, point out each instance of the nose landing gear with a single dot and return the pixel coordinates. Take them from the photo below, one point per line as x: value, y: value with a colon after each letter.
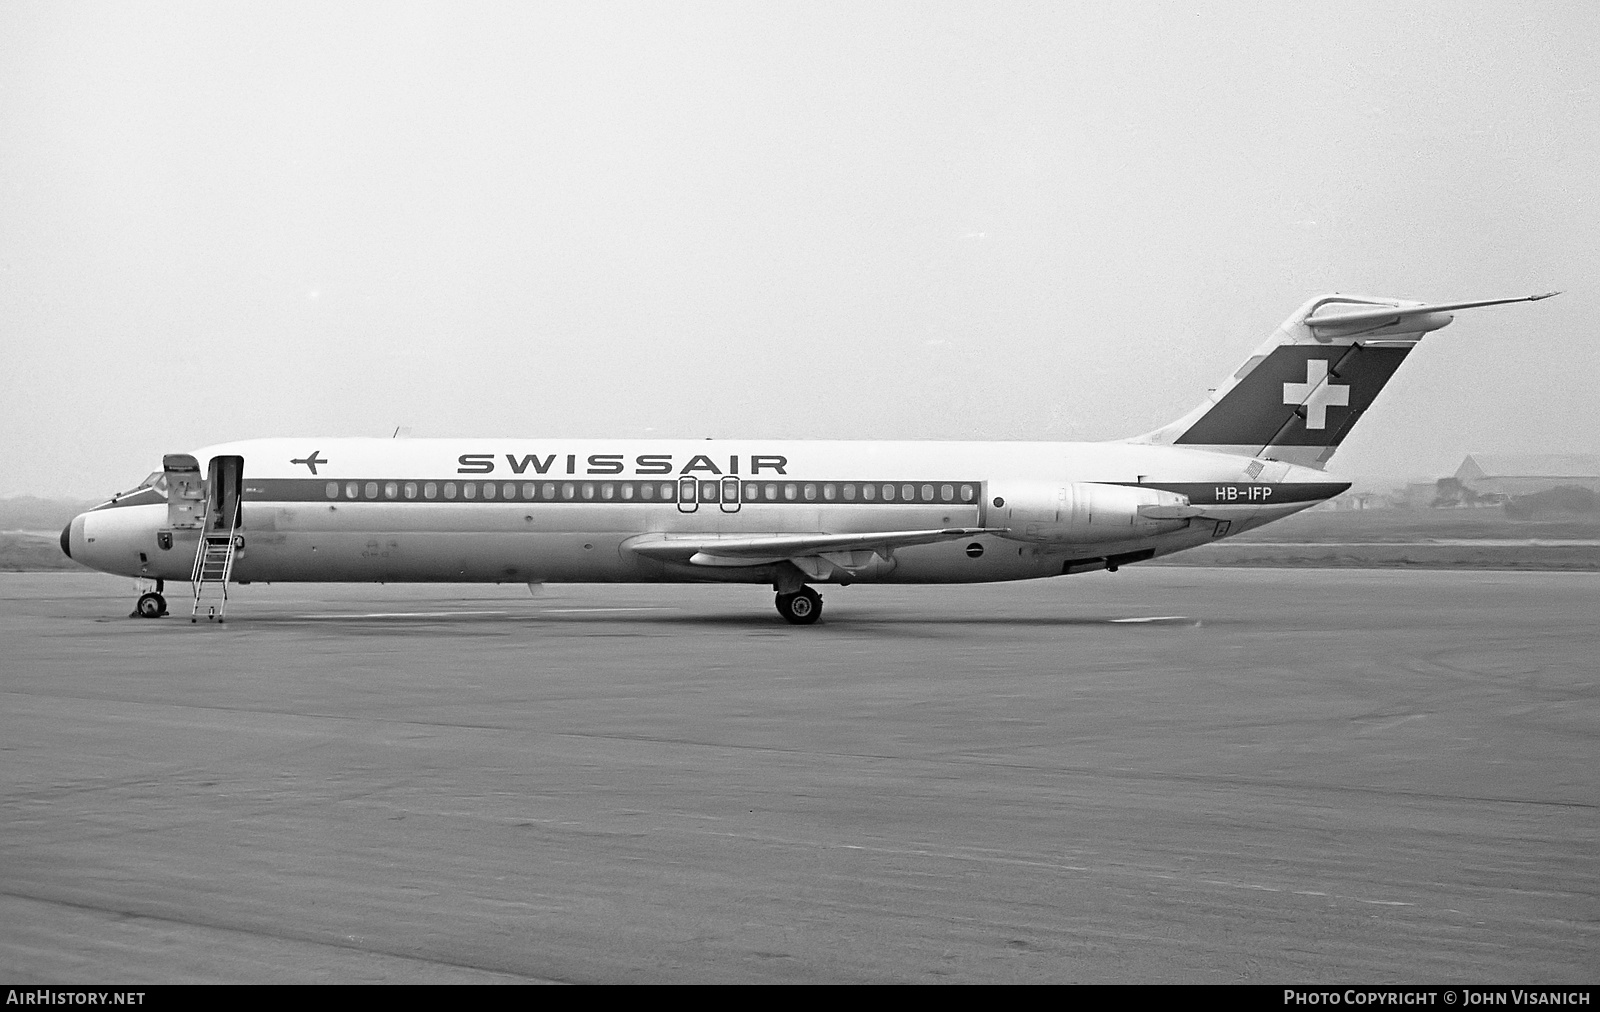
x: 151, y: 604
x: 801, y: 608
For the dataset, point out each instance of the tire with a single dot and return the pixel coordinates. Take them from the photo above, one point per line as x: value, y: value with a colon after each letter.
x: 150, y: 606
x: 802, y: 608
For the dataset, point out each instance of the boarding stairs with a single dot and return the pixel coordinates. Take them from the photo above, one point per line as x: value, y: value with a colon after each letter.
x: 213, y: 566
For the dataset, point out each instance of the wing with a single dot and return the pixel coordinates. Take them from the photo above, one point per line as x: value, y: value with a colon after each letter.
x: 842, y: 550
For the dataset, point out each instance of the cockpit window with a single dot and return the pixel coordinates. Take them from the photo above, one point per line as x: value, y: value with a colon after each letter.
x: 156, y: 481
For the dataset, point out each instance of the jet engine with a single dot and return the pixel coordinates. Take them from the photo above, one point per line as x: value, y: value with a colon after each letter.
x: 1084, y: 512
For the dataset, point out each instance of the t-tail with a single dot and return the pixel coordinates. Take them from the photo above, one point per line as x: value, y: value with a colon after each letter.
x: 1304, y: 389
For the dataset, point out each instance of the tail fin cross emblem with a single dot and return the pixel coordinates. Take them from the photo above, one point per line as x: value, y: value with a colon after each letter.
x: 1316, y: 394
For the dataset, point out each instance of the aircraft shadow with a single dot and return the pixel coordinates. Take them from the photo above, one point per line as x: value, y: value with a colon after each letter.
x: 751, y: 621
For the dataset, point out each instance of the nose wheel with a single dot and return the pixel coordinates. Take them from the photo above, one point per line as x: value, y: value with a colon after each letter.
x: 801, y: 608
x: 150, y: 605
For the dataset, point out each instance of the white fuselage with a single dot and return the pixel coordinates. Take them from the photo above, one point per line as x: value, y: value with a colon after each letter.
x: 528, y: 511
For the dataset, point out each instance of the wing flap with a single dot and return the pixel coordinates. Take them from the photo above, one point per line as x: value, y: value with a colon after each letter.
x: 760, y: 549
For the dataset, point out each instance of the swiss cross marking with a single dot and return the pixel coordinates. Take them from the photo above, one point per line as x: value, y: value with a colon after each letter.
x: 1316, y: 393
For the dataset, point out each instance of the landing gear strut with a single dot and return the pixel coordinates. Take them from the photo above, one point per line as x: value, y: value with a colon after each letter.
x: 801, y: 608
x: 151, y: 604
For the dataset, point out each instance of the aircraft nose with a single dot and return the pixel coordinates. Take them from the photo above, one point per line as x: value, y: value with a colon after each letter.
x: 66, y: 540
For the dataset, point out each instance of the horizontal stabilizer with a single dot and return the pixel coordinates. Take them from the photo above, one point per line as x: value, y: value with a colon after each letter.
x: 1381, y: 314
x: 755, y: 549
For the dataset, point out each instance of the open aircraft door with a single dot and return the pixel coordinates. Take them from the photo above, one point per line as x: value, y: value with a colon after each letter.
x: 186, y: 493
x: 225, y: 488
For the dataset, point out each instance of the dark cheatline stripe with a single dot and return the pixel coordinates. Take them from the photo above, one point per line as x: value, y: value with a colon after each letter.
x: 1236, y: 493
x: 751, y: 493
x: 632, y: 492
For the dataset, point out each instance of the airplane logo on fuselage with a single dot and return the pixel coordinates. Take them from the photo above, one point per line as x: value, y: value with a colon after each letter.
x: 311, y: 461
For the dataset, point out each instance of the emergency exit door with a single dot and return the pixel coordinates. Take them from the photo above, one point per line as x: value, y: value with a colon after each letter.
x: 694, y: 491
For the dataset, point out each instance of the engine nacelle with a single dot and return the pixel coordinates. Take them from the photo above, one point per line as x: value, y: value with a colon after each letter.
x: 1083, y: 512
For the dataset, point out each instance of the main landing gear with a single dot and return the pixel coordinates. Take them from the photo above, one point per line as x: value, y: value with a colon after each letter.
x: 801, y: 608
x: 151, y: 604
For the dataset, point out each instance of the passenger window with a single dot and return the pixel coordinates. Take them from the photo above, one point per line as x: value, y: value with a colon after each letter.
x: 588, y: 490
x: 869, y: 492
x: 332, y: 490
x: 469, y: 490
x: 709, y: 491
x: 550, y: 490
x: 608, y: 490
x: 488, y: 490
x: 372, y: 490
x: 430, y: 490
x: 351, y: 490
x: 647, y: 490
x: 830, y: 492
x: 908, y: 493
x: 390, y: 490
x: 791, y: 491
x: 811, y: 492
x: 947, y: 492
x: 927, y: 493
x: 752, y: 491
x: 888, y: 492
x: 668, y: 491
x: 568, y: 490
x: 966, y: 493
x: 411, y: 490
x: 850, y: 493
x: 627, y: 490
x: 449, y: 490
x: 529, y: 490
x: 508, y: 491
x: 772, y: 492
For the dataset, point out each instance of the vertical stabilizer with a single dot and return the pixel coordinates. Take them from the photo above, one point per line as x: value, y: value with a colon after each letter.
x: 1308, y: 384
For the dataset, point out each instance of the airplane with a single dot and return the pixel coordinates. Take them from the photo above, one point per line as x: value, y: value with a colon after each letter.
x: 790, y: 514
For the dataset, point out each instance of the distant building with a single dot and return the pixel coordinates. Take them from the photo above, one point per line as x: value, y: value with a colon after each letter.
x: 1349, y: 502
x: 1413, y: 495
x: 1511, y: 474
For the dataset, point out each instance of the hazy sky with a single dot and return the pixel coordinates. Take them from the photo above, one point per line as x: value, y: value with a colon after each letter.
x: 854, y: 220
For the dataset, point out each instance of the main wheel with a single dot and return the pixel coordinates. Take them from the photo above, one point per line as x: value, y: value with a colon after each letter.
x: 801, y: 608
x: 150, y: 605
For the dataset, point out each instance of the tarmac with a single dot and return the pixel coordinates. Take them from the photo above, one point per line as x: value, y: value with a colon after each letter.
x: 1160, y: 775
